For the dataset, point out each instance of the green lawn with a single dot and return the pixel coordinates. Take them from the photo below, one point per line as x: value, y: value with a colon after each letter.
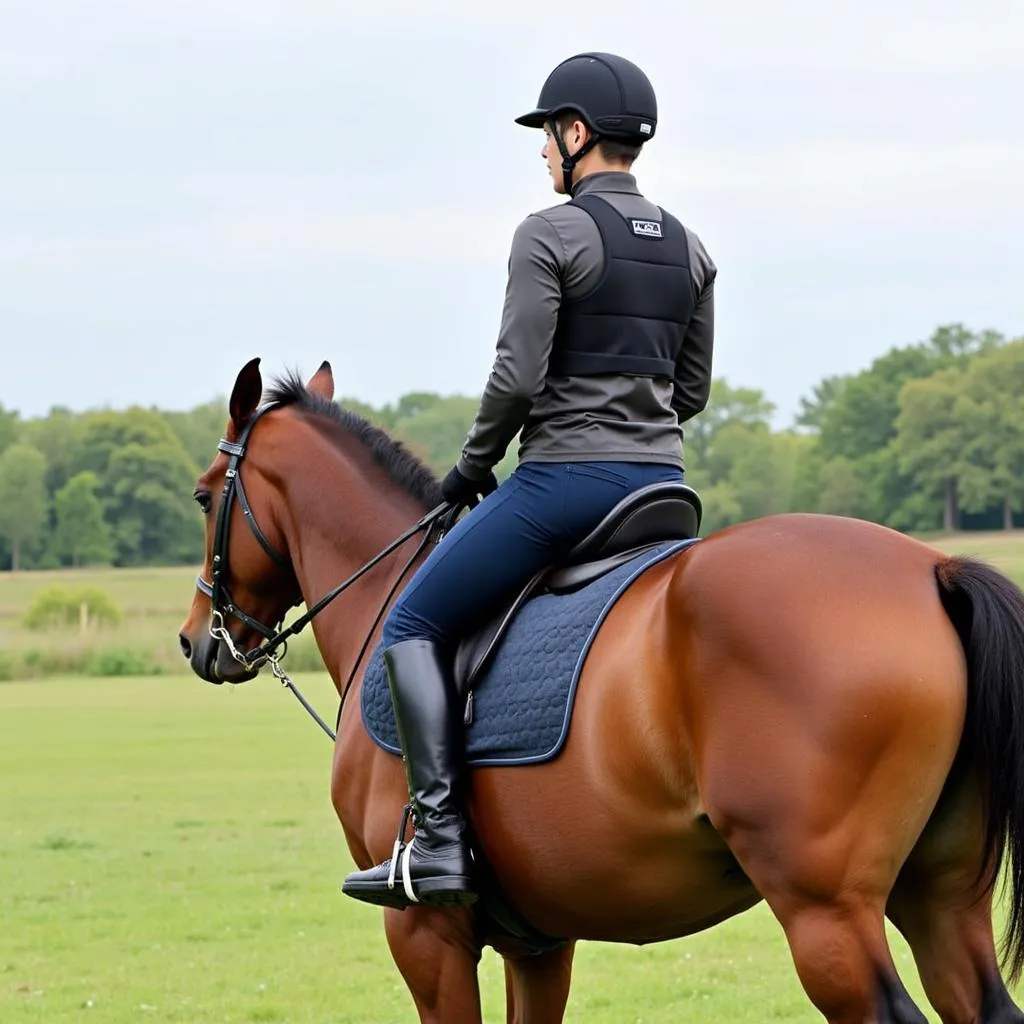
x: 153, y: 601
x: 168, y: 852
x: 152, y: 591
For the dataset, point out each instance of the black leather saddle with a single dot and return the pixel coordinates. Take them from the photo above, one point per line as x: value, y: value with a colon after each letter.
x: 643, y: 519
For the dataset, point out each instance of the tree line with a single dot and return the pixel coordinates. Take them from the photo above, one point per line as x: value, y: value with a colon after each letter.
x: 930, y: 436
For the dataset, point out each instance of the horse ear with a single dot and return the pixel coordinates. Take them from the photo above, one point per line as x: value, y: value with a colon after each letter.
x: 322, y: 382
x: 246, y: 394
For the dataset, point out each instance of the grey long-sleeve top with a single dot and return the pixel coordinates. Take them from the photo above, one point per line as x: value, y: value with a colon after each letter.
x: 584, y: 418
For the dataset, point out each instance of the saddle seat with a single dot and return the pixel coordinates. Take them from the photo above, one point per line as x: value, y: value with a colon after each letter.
x: 643, y: 519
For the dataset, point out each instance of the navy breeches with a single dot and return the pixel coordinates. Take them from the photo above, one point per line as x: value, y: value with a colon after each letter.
x: 533, y: 518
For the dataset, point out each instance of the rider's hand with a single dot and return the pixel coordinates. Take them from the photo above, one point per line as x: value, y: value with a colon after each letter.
x: 458, y: 489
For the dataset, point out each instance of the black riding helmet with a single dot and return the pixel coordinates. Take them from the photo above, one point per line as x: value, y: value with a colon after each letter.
x: 613, y: 97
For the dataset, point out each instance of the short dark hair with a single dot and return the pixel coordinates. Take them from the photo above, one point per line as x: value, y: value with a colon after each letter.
x: 612, y: 150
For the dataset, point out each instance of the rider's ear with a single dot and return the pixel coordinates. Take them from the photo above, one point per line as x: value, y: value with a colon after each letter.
x: 246, y: 394
x: 322, y: 382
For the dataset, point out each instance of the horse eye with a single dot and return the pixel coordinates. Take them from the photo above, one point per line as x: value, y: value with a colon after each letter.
x: 204, y: 500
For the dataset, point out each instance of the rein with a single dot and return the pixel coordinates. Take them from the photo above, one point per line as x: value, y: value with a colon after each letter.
x: 433, y: 526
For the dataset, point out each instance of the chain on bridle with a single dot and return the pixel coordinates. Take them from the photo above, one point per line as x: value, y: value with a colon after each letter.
x: 222, y: 605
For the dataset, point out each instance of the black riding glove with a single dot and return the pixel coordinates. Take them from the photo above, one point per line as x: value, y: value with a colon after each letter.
x: 458, y: 489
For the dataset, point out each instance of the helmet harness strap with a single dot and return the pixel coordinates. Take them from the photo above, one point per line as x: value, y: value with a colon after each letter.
x: 569, y: 161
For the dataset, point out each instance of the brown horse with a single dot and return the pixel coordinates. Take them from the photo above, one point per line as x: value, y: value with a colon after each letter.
x: 814, y: 711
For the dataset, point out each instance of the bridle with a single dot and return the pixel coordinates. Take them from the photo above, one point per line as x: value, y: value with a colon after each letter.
x: 433, y: 526
x: 216, y: 589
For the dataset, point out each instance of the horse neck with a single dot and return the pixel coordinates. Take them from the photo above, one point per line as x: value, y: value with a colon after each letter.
x: 342, y: 514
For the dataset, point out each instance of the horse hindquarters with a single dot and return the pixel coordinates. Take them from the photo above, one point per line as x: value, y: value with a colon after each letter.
x: 826, y: 698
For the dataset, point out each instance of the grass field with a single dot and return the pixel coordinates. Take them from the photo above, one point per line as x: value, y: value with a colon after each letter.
x: 154, y: 602
x: 168, y: 853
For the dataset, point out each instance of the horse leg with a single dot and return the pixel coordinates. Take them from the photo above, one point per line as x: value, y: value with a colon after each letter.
x: 824, y: 848
x: 843, y: 961
x: 948, y: 925
x: 537, y: 987
x: 828, y: 890
x: 942, y: 903
x: 437, y: 953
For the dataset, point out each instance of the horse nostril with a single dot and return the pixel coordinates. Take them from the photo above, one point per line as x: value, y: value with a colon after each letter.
x: 186, y: 646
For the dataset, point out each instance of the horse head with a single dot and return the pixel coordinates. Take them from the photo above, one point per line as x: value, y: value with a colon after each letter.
x: 247, y: 582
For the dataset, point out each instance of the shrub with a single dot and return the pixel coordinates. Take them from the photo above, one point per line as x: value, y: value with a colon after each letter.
x: 8, y: 666
x: 85, y: 606
x: 121, y: 661
x: 40, y: 664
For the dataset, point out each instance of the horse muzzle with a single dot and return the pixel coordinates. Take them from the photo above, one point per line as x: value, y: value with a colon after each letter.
x: 211, y: 660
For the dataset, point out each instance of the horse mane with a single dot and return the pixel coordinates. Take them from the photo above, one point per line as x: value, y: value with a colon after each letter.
x: 404, y: 468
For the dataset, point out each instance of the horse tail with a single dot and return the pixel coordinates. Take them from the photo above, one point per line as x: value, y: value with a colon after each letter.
x: 987, y: 610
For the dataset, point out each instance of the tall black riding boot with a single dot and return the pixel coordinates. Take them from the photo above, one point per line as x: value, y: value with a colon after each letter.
x: 435, y: 868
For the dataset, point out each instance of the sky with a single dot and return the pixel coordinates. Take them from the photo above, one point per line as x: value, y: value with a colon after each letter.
x: 185, y: 184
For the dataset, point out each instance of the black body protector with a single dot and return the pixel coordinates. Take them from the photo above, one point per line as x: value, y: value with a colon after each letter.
x: 634, y: 320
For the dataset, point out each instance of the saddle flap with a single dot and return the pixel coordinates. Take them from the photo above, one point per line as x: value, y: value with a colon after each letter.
x: 472, y: 652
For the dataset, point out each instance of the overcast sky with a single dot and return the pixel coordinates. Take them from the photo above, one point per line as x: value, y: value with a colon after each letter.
x: 187, y: 183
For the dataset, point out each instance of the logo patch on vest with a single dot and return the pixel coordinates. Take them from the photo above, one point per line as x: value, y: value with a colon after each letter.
x: 647, y: 229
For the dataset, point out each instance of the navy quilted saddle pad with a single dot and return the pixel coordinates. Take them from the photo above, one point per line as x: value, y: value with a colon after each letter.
x: 522, y: 702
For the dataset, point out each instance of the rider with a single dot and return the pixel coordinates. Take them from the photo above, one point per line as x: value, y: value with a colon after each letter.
x: 604, y: 350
